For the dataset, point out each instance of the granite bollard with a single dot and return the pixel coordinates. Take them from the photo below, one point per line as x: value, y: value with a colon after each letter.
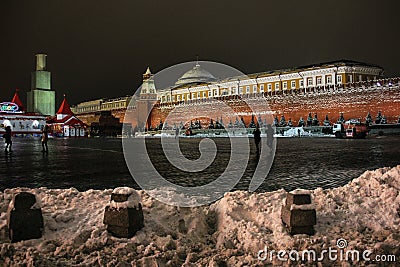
x: 24, y: 217
x: 298, y: 213
x: 123, y: 215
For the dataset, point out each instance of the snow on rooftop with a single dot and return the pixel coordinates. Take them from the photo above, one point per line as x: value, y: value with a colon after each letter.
x: 133, y: 201
x: 365, y: 212
x: 123, y: 190
x: 302, y: 207
x: 38, y: 202
x: 300, y: 192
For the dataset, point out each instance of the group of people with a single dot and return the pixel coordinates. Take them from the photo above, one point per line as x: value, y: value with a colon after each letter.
x: 8, y: 134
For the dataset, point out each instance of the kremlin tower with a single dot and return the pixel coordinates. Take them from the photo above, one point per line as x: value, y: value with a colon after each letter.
x: 41, y: 99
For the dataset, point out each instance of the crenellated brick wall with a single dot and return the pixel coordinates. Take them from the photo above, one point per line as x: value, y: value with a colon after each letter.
x: 354, y: 103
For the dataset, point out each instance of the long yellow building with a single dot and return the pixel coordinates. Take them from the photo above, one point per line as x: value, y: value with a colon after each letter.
x: 198, y: 83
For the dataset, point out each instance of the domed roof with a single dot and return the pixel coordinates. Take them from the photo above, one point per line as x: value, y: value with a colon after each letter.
x: 196, y: 75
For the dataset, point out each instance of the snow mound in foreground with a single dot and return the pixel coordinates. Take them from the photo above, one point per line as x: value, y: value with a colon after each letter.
x: 231, y: 231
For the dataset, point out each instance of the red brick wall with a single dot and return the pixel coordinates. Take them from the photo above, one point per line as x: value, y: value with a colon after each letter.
x: 353, y: 104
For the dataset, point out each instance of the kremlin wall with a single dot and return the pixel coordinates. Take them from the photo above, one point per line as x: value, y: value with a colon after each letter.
x: 325, y: 89
x: 352, y: 102
x: 348, y: 87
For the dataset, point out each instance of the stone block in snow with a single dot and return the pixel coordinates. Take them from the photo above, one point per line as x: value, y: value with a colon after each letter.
x: 124, y: 215
x: 24, y: 217
x: 298, y: 213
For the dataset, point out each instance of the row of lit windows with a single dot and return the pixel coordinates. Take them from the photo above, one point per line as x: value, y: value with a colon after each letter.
x: 102, y: 106
x: 245, y: 90
x: 294, y: 84
x: 113, y: 105
x: 85, y: 109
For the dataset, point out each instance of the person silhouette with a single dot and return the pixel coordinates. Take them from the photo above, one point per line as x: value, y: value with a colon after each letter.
x: 270, y: 135
x: 176, y: 132
x: 257, y: 138
x: 7, y: 137
x: 45, y: 137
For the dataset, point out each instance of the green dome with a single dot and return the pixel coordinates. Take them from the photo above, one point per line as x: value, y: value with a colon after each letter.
x: 196, y: 75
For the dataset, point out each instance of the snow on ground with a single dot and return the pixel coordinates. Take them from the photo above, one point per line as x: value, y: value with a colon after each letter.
x: 229, y: 232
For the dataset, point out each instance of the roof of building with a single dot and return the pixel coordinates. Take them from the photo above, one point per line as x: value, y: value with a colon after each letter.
x: 341, y: 62
x: 193, y: 76
x: 16, y: 100
x: 64, y: 108
x: 67, y: 120
x: 336, y: 63
x: 196, y: 75
x: 148, y: 72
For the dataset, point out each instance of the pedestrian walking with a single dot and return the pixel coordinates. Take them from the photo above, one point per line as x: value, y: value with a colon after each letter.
x: 45, y: 137
x: 270, y: 136
x: 257, y: 138
x: 7, y: 137
x: 176, y: 132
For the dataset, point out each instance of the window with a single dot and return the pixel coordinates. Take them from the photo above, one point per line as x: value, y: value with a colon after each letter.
x: 198, y: 95
x: 309, y: 82
x: 209, y: 93
x: 168, y: 98
x: 329, y: 79
x: 301, y: 83
x: 359, y: 78
x: 204, y: 94
x: 247, y: 89
x: 241, y: 90
x: 293, y: 85
x: 233, y: 90
x: 339, y: 79
x: 254, y: 88
x: 269, y: 87
x: 350, y: 77
x: 262, y: 88
x: 215, y: 92
x: 319, y: 81
x: 276, y: 86
x: 179, y: 98
x: 193, y: 95
x: 284, y: 85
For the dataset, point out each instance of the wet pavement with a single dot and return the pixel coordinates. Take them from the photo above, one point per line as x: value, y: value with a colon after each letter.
x: 98, y: 163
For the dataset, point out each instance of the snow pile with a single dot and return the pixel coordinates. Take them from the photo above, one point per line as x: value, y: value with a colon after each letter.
x: 229, y: 232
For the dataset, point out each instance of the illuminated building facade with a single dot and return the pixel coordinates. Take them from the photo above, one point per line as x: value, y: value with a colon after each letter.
x: 13, y: 114
x: 90, y: 111
x: 327, y: 89
x: 41, y: 99
x: 345, y: 86
x: 65, y: 124
x: 302, y: 79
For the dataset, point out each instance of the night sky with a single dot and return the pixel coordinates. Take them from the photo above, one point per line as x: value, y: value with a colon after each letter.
x: 99, y: 48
